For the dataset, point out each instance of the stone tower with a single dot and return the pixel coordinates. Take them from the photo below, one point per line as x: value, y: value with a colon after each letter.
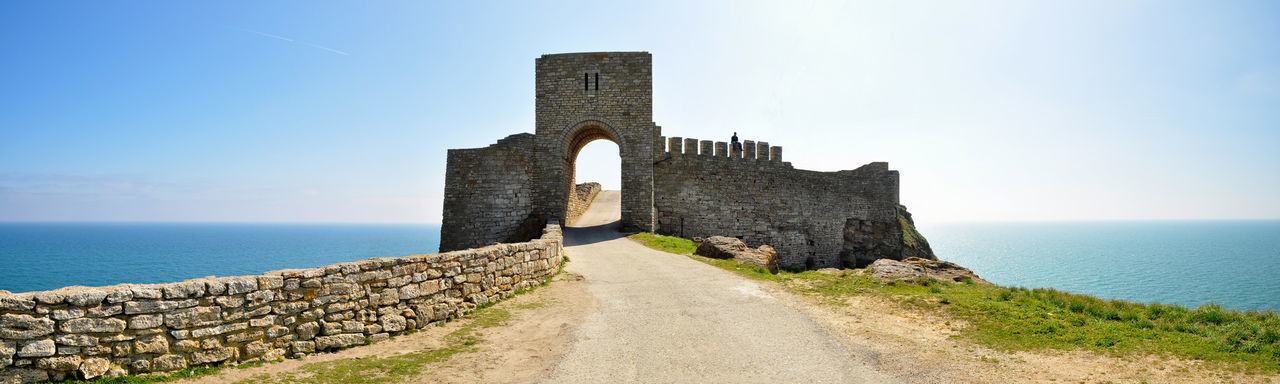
x: 583, y: 97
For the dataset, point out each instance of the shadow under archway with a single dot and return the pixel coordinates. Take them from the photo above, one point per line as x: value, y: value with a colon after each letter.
x: 593, y: 234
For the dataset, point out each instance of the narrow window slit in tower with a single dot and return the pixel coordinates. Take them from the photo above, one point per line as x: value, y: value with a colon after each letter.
x: 597, y: 81
x: 586, y: 81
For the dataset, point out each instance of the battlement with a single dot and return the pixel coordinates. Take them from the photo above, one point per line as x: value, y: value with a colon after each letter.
x: 751, y: 149
x: 682, y: 185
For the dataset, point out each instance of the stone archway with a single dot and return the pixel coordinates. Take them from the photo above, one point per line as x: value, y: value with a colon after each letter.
x: 584, y: 133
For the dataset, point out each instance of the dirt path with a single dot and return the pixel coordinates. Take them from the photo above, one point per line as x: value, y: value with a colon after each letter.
x: 667, y: 318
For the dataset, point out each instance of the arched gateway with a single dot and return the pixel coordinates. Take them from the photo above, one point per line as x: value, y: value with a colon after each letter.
x: 508, y: 191
x: 580, y: 97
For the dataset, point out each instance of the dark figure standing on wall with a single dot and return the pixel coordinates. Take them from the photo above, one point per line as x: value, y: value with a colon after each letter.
x: 733, y: 142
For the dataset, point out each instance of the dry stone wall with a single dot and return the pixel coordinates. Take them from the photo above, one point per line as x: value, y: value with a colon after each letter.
x: 583, y: 195
x: 90, y: 332
x: 702, y: 191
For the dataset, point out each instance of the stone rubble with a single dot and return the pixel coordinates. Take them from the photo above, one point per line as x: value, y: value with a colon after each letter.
x: 723, y: 247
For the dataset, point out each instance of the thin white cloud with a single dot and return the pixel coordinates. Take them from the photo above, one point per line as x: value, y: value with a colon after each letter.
x: 264, y: 34
x: 278, y: 37
x: 326, y: 48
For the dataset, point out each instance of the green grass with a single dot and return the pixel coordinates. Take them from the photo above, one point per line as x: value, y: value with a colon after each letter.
x: 1013, y: 318
x: 672, y: 244
x: 143, y: 379
x: 396, y: 368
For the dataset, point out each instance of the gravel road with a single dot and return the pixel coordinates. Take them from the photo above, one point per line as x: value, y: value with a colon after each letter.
x: 666, y: 318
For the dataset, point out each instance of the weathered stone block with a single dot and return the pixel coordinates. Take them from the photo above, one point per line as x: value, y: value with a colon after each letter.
x: 270, y: 282
x: 262, y: 321
x: 146, y: 292
x: 157, y: 344
x: 60, y: 363
x: 94, y: 367
x: 256, y: 348
x: 393, y: 323
x: 76, y: 340
x: 213, y: 356
x: 90, y: 325
x: 308, y: 330
x: 136, y: 307
x: 168, y: 363
x: 350, y: 326
x: 67, y: 313
x: 215, y: 287
x: 193, y: 317
x: 277, y: 331
x: 23, y: 375
x: 339, y: 341
x: 230, y: 301
x: 37, y: 348
x: 105, y: 310
x: 186, y: 346
x: 145, y: 321
x: 87, y: 297
x: 49, y: 297
x: 304, y: 346
x: 7, y: 349
x: 260, y: 297
x: 17, y: 303
x: 218, y: 330
x: 183, y: 290
x: 239, y: 285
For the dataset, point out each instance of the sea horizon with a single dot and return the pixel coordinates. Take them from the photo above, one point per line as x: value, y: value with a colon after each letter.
x: 46, y: 255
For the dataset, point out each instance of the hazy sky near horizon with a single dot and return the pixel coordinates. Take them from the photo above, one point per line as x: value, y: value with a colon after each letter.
x: 342, y: 112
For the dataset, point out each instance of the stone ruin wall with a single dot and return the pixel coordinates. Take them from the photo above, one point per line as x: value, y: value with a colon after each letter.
x: 488, y: 195
x: 88, y: 332
x: 703, y: 189
x: 579, y: 199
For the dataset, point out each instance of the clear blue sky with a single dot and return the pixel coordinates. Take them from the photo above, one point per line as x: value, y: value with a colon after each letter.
x: 342, y: 112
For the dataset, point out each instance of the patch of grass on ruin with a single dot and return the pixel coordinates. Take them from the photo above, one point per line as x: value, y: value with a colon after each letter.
x: 672, y: 244
x: 144, y: 379
x: 1047, y: 319
x: 396, y: 368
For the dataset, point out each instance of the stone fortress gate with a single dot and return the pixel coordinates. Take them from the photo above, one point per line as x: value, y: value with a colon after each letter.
x: 508, y: 191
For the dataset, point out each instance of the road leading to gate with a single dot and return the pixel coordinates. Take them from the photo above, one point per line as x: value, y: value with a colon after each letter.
x: 667, y: 318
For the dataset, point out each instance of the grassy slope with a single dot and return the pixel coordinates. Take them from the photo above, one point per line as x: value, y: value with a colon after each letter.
x: 1034, y: 319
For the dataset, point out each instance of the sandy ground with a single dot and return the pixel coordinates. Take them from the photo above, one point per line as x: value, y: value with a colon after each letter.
x: 626, y: 313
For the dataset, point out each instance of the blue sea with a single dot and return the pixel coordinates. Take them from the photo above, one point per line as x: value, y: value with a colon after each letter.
x: 43, y: 256
x: 1233, y: 263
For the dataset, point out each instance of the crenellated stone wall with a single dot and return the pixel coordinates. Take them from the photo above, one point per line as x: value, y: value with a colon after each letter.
x: 675, y: 185
x: 581, y: 198
x: 90, y: 332
x: 703, y: 190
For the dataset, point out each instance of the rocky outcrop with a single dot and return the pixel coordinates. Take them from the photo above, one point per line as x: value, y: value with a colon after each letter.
x: 913, y: 269
x: 866, y: 241
x: 722, y: 247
